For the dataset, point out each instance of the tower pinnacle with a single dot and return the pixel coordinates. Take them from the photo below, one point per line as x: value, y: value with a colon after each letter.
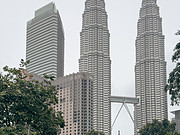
x: 144, y: 2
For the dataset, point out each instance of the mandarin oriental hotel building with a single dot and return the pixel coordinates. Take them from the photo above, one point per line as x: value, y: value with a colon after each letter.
x: 75, y: 100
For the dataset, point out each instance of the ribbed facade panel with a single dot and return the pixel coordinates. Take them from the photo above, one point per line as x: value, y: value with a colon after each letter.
x: 150, y: 68
x: 45, y: 42
x: 95, y: 59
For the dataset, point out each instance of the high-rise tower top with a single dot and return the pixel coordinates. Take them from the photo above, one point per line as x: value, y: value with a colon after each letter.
x: 47, y: 8
x: 43, y: 12
x: 95, y: 3
x: 144, y: 2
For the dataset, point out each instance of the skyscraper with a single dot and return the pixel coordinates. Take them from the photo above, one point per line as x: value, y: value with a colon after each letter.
x: 150, y: 68
x: 75, y: 101
x: 45, y: 42
x: 75, y: 93
x: 95, y: 59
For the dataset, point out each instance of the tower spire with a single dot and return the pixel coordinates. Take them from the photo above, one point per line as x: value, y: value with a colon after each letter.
x: 150, y: 1
x: 145, y: 2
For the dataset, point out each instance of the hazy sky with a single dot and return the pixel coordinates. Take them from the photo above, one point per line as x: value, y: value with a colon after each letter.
x: 122, y: 17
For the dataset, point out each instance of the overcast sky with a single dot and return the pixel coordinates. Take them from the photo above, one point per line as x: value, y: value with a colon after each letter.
x: 122, y: 17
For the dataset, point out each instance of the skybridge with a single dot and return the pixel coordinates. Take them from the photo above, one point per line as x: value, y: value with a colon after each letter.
x: 124, y: 101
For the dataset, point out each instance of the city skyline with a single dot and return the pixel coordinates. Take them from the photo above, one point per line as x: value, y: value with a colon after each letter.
x: 122, y: 64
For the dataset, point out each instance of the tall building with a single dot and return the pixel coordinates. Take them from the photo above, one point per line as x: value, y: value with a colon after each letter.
x: 75, y: 100
x: 150, y: 68
x: 95, y: 59
x: 45, y: 42
x: 177, y: 120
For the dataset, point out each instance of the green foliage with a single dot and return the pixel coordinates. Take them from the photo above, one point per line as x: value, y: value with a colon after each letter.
x: 176, y: 133
x: 159, y: 128
x: 173, y: 85
x: 93, y: 132
x: 18, y: 130
x: 28, y: 103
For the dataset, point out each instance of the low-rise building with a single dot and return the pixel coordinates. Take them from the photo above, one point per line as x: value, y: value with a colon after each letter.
x: 177, y: 119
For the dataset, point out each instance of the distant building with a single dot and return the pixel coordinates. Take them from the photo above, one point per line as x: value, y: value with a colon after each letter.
x: 177, y: 120
x: 75, y: 95
x: 75, y: 100
x: 45, y: 42
x: 95, y: 59
x: 150, y: 68
x: 173, y: 120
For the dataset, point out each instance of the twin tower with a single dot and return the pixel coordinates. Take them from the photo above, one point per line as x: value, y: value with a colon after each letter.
x: 45, y: 50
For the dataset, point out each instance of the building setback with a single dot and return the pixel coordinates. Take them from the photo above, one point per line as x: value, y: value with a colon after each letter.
x: 150, y: 68
x: 95, y: 59
x: 45, y: 42
x: 75, y: 100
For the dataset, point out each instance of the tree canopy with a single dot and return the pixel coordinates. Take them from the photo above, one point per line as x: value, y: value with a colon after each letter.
x: 93, y: 132
x: 28, y: 104
x: 18, y: 130
x: 159, y: 128
x: 173, y: 85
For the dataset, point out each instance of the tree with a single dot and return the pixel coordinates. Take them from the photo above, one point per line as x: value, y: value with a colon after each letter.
x: 159, y: 128
x: 18, y: 130
x: 28, y: 103
x: 173, y: 85
x: 93, y: 132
